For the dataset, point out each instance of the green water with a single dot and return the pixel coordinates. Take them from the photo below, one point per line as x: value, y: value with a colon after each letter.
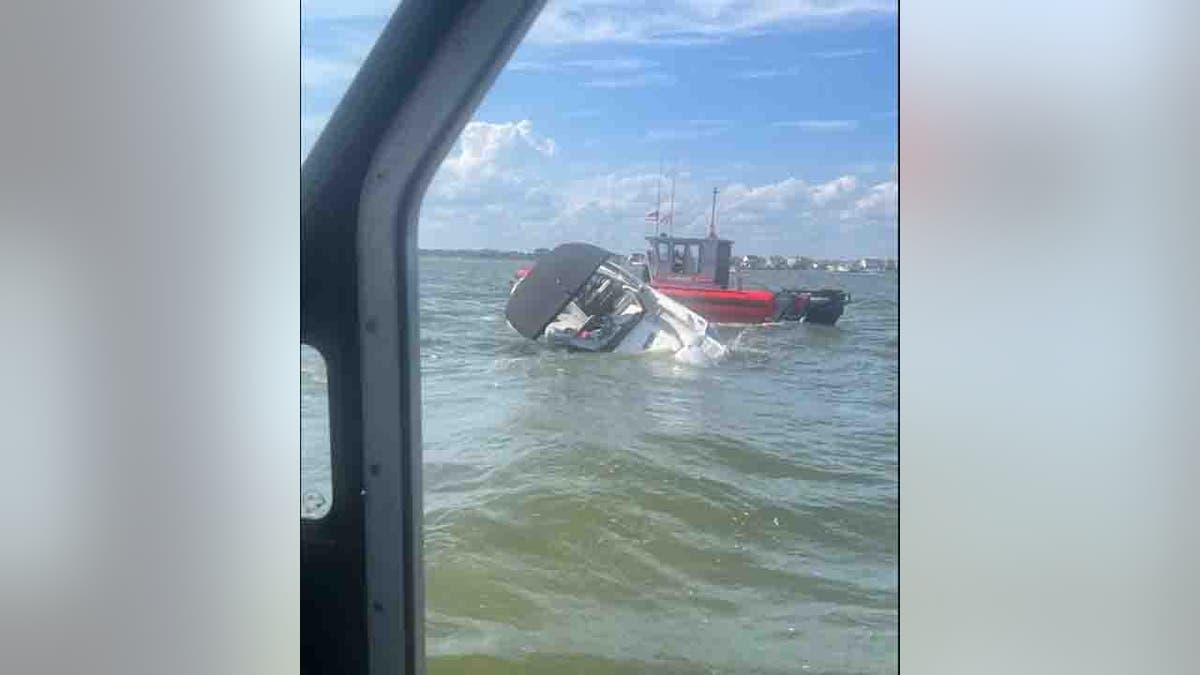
x: 600, y: 514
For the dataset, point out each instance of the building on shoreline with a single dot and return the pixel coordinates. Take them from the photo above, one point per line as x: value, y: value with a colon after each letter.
x: 779, y: 262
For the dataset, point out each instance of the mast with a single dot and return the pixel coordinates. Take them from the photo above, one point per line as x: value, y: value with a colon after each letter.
x: 671, y: 217
x: 658, y: 198
x: 712, y: 223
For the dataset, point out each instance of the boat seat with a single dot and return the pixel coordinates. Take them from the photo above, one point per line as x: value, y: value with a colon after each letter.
x: 570, y: 318
x: 629, y: 299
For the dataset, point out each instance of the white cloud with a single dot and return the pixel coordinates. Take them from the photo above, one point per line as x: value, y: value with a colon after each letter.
x: 818, y: 125
x: 481, y: 145
x: 639, y: 22
x: 843, y: 53
x: 793, y: 215
x: 523, y: 66
x: 612, y: 73
x: 790, y: 71
x: 495, y: 181
x: 833, y: 190
x: 790, y: 194
x: 647, y: 79
x: 686, y: 21
x: 613, y: 65
x: 881, y: 203
x: 765, y: 73
x: 689, y: 130
x: 506, y: 186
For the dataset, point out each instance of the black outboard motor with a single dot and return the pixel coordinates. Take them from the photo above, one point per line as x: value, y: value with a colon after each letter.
x: 825, y: 306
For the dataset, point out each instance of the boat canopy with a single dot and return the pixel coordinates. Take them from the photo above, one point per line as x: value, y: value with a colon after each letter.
x: 550, y: 285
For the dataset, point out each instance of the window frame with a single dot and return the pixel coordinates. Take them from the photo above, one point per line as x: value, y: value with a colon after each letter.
x: 362, y: 584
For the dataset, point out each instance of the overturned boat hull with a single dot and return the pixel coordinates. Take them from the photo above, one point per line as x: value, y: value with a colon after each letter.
x: 576, y: 298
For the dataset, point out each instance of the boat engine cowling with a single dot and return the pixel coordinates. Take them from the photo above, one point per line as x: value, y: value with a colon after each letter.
x: 825, y: 305
x: 822, y: 306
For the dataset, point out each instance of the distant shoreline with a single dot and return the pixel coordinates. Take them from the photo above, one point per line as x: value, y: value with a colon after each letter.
x: 478, y: 253
x: 763, y: 263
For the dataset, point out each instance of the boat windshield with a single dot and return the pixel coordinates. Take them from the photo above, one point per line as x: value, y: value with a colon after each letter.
x: 606, y: 308
x: 610, y: 290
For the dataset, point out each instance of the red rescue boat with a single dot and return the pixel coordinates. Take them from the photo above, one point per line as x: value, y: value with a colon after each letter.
x: 711, y: 296
x: 723, y: 305
x: 698, y: 273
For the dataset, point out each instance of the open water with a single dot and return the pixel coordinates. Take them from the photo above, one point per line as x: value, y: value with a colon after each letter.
x: 599, y: 514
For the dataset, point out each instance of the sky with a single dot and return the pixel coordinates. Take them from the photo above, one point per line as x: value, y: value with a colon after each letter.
x: 787, y: 107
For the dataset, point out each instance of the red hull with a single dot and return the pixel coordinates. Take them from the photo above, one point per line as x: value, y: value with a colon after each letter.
x: 723, y: 305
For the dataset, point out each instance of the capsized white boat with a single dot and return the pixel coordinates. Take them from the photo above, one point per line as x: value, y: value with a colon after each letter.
x: 577, y: 298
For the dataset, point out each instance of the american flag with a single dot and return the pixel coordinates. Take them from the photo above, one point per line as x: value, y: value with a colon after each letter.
x: 652, y: 216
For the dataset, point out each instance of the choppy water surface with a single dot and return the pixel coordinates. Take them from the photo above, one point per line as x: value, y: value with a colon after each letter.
x: 600, y: 514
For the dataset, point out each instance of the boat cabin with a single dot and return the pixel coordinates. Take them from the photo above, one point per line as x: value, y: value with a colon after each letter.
x: 689, y: 260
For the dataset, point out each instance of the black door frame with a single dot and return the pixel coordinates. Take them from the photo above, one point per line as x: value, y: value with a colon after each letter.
x: 362, y: 606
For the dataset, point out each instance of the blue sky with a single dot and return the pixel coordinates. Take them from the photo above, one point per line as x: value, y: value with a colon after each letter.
x: 789, y: 107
